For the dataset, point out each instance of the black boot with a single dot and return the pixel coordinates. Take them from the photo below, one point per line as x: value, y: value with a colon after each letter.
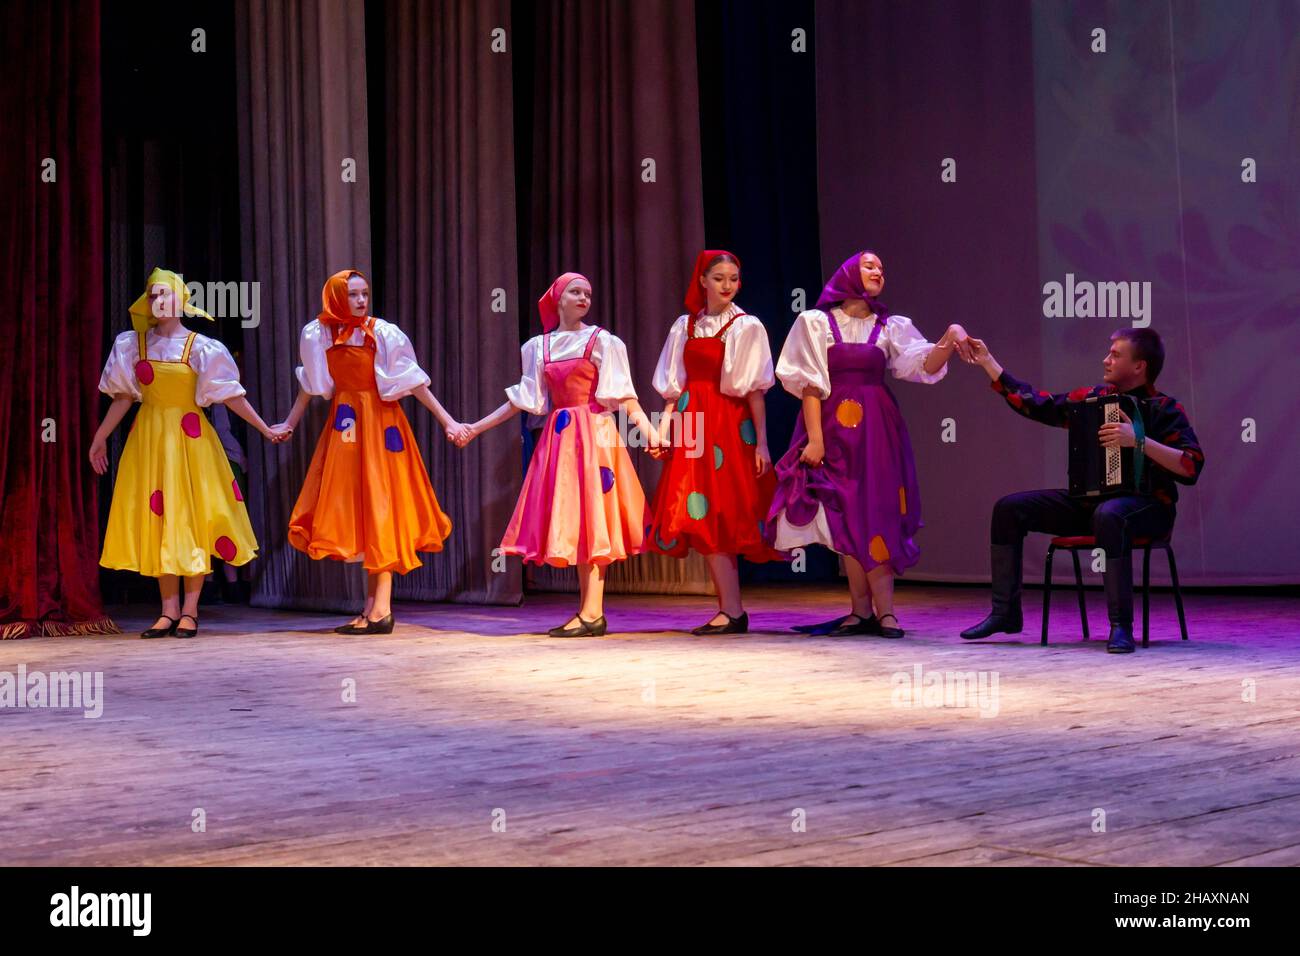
x: 1005, y: 561
x: 1119, y: 604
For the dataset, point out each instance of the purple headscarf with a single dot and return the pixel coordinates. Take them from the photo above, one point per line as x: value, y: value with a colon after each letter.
x: 846, y: 283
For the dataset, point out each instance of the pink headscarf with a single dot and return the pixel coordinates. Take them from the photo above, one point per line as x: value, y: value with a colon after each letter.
x: 548, y: 306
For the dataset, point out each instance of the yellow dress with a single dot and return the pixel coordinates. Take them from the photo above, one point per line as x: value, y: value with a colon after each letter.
x: 175, y: 502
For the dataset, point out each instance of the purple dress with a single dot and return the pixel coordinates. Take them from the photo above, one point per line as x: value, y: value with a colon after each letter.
x: 867, y: 481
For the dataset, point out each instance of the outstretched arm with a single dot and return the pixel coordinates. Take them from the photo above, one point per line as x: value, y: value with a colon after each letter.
x: 239, y: 405
x: 1047, y: 408
x: 504, y: 412
x: 427, y: 399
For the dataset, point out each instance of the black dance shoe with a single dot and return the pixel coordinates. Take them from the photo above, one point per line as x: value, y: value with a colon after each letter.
x: 187, y: 631
x: 886, y: 630
x: 1121, y: 640
x: 162, y: 631
x: 594, y: 628
x: 383, y: 626
x: 861, y: 625
x: 351, y: 628
x: 734, y: 625
x: 1010, y: 622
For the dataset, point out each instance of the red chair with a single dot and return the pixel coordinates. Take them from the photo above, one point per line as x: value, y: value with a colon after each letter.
x: 1086, y: 542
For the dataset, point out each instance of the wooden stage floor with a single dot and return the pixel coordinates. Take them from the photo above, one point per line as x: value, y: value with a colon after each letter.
x: 656, y: 747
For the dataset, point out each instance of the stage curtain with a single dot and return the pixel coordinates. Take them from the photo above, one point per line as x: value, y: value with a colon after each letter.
x: 450, y: 269
x: 902, y: 87
x: 301, y: 88
x: 614, y: 88
x: 49, y: 343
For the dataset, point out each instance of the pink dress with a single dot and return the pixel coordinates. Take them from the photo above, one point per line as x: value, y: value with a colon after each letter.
x: 581, y: 502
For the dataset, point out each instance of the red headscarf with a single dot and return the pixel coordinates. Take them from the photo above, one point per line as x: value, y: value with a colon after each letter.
x: 336, y: 310
x: 548, y: 306
x: 696, y: 298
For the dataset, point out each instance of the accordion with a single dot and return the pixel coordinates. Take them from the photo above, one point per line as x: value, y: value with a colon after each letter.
x: 1095, y: 470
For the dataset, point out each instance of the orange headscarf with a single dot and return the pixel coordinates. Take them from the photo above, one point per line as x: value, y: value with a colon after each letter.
x: 336, y: 310
x: 548, y: 306
x: 696, y: 298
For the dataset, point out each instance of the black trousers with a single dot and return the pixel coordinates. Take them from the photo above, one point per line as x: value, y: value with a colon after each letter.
x: 1114, y: 521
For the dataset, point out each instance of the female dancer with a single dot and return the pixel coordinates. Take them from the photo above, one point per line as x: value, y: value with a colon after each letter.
x: 849, y: 481
x: 367, y: 496
x: 717, y: 479
x: 175, y: 501
x: 581, y: 502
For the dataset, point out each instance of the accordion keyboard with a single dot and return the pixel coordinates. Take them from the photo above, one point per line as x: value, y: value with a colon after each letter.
x: 1113, y: 458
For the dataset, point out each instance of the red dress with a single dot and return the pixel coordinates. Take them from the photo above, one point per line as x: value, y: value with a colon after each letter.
x: 709, y: 497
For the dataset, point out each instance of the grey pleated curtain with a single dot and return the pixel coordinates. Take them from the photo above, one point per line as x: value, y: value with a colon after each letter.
x: 301, y: 82
x: 448, y: 244
x: 450, y: 255
x: 616, y: 86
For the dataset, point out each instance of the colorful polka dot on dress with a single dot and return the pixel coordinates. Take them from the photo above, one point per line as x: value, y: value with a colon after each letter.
x: 683, y: 400
x: 156, y: 502
x: 225, y: 548
x: 234, y: 486
x: 345, y: 416
x: 747, y: 433
x: 190, y: 425
x: 717, y: 457
x: 393, y: 439
x: 562, y: 420
x: 849, y: 413
x: 144, y: 372
x: 664, y: 545
x: 697, y: 506
x: 606, y: 478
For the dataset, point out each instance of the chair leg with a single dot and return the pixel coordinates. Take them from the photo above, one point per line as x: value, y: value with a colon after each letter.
x: 1146, y: 594
x: 1178, y: 592
x: 1047, y: 590
x: 1078, y: 587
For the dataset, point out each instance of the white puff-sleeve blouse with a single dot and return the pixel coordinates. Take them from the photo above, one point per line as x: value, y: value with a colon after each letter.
x: 397, y: 370
x: 746, y: 357
x: 609, y: 355
x: 218, y: 375
x: 803, y: 361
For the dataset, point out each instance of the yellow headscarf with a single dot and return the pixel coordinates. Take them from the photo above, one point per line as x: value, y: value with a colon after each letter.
x: 142, y: 317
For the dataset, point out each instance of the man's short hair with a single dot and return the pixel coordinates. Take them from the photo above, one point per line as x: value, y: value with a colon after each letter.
x: 1147, y: 347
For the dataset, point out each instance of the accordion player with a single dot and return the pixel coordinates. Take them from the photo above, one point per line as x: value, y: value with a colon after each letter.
x: 1096, y: 471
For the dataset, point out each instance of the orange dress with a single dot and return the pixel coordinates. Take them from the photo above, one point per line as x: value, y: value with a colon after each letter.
x: 367, y: 495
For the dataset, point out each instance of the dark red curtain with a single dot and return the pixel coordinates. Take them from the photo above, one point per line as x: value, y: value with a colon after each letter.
x: 52, y: 275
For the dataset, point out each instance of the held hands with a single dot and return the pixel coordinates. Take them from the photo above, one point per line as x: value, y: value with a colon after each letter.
x: 461, y: 434
x: 957, y: 338
x: 277, y: 434
x: 1117, y: 434
x: 658, y: 447
x: 762, y: 461
x: 978, y: 351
